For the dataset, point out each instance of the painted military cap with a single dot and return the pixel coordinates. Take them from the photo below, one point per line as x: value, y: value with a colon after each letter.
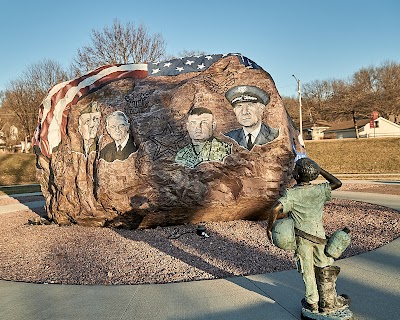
x: 92, y: 107
x: 246, y: 94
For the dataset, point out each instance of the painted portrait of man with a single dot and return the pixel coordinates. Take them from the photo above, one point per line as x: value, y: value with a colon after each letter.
x: 88, y: 124
x: 117, y: 125
x: 203, y: 146
x: 249, y: 103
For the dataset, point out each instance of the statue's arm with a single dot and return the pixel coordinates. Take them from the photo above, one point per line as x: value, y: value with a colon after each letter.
x: 275, y: 213
x: 333, y: 181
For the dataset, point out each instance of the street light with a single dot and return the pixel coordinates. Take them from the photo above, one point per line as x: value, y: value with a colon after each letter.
x: 301, y: 116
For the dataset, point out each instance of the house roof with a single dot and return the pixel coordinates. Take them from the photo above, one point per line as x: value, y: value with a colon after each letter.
x: 347, y: 125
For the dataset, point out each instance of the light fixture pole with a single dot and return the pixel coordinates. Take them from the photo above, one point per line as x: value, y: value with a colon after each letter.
x: 300, y: 113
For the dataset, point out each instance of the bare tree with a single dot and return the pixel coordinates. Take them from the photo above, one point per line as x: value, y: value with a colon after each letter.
x: 316, y: 96
x: 292, y: 108
x: 119, y: 44
x: 388, y: 86
x: 24, y: 95
x: 44, y: 74
x: 368, y: 89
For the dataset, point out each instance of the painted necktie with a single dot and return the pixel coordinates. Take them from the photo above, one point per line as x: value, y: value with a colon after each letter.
x: 249, y: 142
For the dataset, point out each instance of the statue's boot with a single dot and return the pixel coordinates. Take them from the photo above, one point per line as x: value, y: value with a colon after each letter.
x: 329, y: 300
x: 310, y: 307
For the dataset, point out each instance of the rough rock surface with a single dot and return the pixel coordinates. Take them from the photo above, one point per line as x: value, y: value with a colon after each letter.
x: 149, y: 188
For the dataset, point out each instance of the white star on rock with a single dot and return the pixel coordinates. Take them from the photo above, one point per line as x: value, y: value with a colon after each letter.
x: 155, y: 71
x: 201, y: 66
x: 208, y: 57
x: 180, y: 69
x: 168, y: 64
x: 250, y: 66
x: 189, y: 62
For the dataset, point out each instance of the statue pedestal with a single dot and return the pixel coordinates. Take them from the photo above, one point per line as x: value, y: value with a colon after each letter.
x: 344, y: 314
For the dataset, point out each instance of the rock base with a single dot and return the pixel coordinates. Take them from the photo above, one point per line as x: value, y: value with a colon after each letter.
x: 344, y: 314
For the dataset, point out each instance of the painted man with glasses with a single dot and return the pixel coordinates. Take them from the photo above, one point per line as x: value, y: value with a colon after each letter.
x: 117, y: 125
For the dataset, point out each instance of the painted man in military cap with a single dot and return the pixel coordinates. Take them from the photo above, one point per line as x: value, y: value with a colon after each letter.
x: 88, y: 124
x: 248, y: 103
x: 117, y: 125
x: 204, y: 146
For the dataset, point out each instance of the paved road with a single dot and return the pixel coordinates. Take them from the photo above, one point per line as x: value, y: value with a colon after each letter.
x: 391, y: 201
x: 371, y: 279
x: 26, y: 205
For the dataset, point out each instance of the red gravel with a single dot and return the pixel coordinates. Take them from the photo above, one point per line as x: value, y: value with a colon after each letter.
x: 81, y: 255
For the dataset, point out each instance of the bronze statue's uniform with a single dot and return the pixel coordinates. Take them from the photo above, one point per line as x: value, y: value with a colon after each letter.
x: 304, y: 204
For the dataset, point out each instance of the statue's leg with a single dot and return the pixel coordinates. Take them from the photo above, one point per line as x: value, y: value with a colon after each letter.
x: 305, y: 265
x: 329, y: 301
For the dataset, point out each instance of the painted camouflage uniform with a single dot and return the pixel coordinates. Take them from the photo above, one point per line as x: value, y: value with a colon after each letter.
x: 212, y: 150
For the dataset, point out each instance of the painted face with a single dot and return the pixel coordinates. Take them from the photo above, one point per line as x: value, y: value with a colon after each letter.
x: 249, y: 114
x: 88, y: 125
x: 117, y: 128
x: 200, y: 127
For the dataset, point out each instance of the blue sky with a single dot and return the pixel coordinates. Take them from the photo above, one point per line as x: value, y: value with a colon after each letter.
x: 314, y: 40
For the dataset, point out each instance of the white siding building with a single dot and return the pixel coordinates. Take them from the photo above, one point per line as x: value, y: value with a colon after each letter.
x: 382, y: 128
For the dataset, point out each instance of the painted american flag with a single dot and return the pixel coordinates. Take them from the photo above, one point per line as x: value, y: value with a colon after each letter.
x: 199, y: 63
x: 53, y: 112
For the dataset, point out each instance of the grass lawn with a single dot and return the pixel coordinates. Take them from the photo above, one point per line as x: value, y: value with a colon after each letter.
x: 17, y: 168
x: 380, y: 155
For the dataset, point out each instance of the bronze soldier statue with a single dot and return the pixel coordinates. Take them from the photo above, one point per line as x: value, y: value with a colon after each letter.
x: 304, y: 204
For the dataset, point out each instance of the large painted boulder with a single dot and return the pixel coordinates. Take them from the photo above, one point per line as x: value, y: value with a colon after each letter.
x: 145, y: 145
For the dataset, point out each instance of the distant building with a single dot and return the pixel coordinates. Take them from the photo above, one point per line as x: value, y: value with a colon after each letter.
x: 344, y: 129
x: 380, y: 127
x: 315, y: 130
x: 367, y: 128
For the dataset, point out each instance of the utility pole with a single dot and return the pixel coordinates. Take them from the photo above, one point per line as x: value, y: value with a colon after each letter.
x: 300, y: 113
x: 355, y: 123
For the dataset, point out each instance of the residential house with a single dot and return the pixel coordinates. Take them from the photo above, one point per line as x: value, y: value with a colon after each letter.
x: 315, y: 130
x: 344, y: 129
x: 380, y: 127
x: 367, y: 128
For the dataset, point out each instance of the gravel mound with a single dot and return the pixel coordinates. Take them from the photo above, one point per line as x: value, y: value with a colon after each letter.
x: 82, y: 255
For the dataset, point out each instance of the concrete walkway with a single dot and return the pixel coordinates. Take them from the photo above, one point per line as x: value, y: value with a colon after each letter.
x: 371, y: 279
x: 21, y: 206
x: 388, y: 200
